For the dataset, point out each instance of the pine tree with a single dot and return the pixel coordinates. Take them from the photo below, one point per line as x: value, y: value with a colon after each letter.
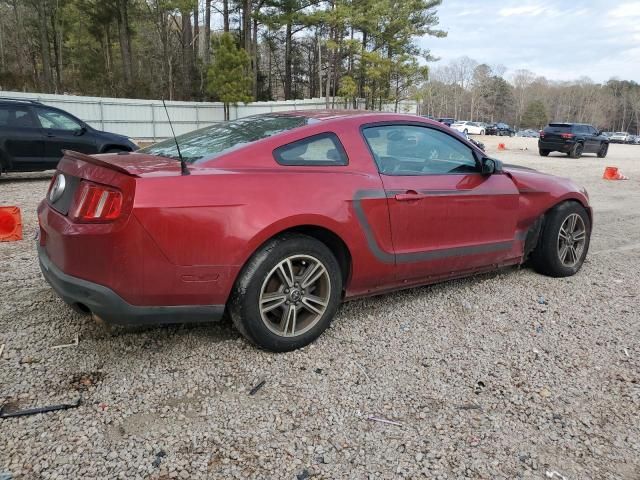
x: 228, y: 78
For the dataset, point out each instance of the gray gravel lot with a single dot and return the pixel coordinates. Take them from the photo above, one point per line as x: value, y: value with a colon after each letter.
x: 507, y: 375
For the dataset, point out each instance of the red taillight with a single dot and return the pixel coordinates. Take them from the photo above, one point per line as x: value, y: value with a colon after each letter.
x: 97, y: 203
x: 541, y: 133
x: 567, y: 135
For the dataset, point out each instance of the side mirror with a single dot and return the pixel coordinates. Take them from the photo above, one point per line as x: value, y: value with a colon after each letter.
x: 488, y: 166
x: 81, y: 131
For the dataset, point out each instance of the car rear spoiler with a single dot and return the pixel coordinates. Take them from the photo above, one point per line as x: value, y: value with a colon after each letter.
x: 96, y: 161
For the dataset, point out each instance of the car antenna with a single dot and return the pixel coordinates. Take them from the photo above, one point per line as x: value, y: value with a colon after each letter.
x: 183, y: 166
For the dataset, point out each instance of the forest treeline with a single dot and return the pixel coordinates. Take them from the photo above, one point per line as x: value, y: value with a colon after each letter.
x: 465, y: 89
x: 244, y: 50
x: 282, y: 49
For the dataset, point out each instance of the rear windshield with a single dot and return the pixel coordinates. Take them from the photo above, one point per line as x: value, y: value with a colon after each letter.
x: 210, y: 142
x: 558, y: 127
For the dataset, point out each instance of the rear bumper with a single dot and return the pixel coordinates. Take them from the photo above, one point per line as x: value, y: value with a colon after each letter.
x: 110, y: 307
x: 559, y: 146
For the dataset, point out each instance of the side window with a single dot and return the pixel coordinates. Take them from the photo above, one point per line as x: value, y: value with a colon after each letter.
x: 56, y: 120
x: 416, y: 150
x: 324, y: 149
x: 11, y: 116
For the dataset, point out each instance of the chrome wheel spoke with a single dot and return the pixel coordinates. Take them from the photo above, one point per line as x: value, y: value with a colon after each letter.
x: 314, y: 304
x: 271, y: 301
x: 285, y: 271
x: 289, y: 319
x: 563, y: 234
x: 312, y: 274
x: 578, y: 237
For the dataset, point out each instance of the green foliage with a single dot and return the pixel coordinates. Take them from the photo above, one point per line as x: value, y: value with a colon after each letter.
x: 535, y: 115
x: 227, y: 78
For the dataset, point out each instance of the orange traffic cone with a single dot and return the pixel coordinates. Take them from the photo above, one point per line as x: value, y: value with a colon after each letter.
x: 10, y: 224
x: 612, y: 173
x: 502, y: 146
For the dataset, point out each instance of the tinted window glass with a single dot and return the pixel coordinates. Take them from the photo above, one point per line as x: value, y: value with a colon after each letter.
x: 323, y: 149
x: 11, y: 116
x: 56, y: 120
x: 413, y: 150
x: 210, y: 142
x: 558, y: 128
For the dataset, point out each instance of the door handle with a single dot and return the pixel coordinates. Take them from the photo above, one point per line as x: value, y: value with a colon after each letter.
x: 409, y: 196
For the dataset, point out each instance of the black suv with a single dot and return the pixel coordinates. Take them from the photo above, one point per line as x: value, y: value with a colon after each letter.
x: 33, y: 135
x: 500, y: 129
x: 574, y: 139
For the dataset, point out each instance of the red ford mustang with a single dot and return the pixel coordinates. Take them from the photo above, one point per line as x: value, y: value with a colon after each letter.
x: 279, y: 217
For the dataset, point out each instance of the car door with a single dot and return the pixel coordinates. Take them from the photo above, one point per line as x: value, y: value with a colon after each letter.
x: 63, y: 132
x: 446, y: 217
x: 592, y: 138
x: 21, y: 138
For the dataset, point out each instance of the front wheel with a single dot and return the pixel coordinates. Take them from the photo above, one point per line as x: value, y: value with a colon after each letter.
x: 481, y: 132
x: 604, y: 148
x: 564, y: 241
x: 287, y: 294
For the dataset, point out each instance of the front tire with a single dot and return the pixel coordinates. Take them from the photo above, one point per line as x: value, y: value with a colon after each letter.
x: 564, y: 241
x: 287, y: 294
x: 604, y: 148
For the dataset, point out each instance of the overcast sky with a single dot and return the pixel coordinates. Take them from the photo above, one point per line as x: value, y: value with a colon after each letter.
x: 560, y: 39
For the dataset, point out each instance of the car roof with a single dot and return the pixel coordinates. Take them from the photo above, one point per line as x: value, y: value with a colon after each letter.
x: 13, y: 101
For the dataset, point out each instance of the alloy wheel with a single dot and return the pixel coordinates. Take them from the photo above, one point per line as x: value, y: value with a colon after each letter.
x: 572, y: 238
x: 295, y: 295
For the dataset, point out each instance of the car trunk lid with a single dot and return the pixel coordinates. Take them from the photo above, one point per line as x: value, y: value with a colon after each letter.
x: 133, y: 164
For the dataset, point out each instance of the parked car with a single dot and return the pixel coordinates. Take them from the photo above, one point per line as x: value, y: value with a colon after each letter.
x: 447, y: 121
x: 529, y: 133
x: 472, y: 128
x: 33, y: 135
x: 279, y: 217
x: 574, y: 139
x: 620, y: 137
x: 466, y: 136
x: 500, y: 129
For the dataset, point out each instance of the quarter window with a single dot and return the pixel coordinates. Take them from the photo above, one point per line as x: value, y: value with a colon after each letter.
x: 413, y: 150
x: 319, y: 150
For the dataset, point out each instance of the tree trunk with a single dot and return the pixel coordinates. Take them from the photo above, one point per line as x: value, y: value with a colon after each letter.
x: 287, y: 63
x: 187, y: 55
x: 125, y: 43
x: 44, y: 47
x: 207, y: 33
x: 254, y: 57
x: 225, y: 14
x: 363, y: 67
x: 196, y: 31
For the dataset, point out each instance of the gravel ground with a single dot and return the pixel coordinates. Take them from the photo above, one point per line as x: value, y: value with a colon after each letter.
x: 507, y: 375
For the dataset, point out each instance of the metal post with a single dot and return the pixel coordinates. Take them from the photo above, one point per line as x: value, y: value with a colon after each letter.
x: 101, y: 115
x: 153, y: 122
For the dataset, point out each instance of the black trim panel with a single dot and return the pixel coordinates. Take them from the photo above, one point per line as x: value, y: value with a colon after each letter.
x: 110, y: 307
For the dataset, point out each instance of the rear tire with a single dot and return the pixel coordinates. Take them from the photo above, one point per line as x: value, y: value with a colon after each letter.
x: 561, y: 249
x: 272, y: 296
x: 544, y: 153
x: 604, y: 148
x: 576, y: 151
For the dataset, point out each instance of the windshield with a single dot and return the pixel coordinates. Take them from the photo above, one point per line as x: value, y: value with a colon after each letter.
x: 210, y: 142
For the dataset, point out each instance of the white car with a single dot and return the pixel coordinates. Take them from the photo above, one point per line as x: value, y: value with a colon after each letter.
x: 472, y: 128
x: 619, y: 137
